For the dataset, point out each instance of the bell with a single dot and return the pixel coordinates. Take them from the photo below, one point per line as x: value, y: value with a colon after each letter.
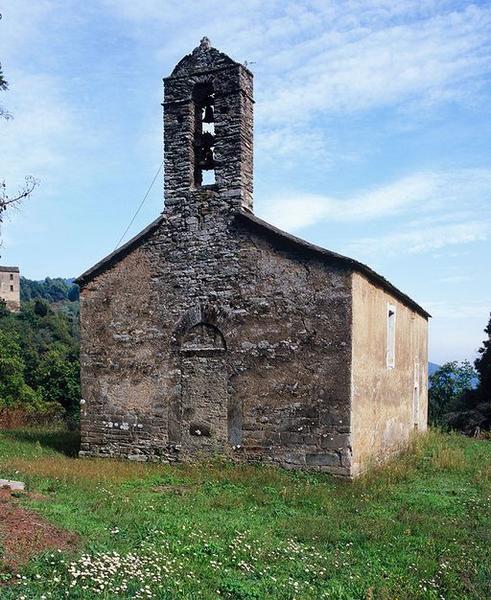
x: 206, y: 161
x: 209, y: 117
x: 207, y: 139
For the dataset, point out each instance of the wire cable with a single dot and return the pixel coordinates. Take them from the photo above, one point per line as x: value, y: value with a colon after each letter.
x: 141, y: 205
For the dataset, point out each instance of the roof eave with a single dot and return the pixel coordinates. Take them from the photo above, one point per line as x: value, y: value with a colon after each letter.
x: 117, y: 254
x: 334, y: 257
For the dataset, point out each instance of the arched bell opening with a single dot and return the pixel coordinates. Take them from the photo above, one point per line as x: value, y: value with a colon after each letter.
x: 204, y: 134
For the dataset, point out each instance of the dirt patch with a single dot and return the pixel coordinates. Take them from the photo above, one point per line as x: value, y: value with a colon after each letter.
x: 24, y: 534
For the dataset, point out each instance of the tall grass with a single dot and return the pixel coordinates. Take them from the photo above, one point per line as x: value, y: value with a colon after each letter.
x: 416, y: 528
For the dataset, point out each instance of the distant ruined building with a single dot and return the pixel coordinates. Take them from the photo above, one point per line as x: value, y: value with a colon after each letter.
x: 10, y: 287
x: 213, y: 332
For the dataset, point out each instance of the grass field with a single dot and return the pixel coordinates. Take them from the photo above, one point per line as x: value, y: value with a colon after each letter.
x: 420, y: 528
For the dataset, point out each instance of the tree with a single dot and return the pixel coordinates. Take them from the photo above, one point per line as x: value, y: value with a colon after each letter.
x: 74, y: 293
x: 22, y: 193
x: 4, y: 86
x: 59, y: 382
x: 483, y: 364
x: 41, y: 307
x: 3, y: 83
x: 4, y: 311
x: 39, y: 362
x: 447, y: 388
x: 471, y: 413
x: 13, y: 389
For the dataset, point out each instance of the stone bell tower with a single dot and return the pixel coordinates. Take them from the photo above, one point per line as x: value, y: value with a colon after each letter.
x: 208, y: 130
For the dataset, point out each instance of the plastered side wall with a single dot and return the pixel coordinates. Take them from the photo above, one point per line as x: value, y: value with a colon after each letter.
x: 387, y: 403
x: 10, y: 280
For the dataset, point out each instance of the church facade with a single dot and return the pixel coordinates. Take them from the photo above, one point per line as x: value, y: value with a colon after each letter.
x: 214, y: 333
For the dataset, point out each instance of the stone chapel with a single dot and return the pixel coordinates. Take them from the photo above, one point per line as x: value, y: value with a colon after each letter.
x: 212, y: 332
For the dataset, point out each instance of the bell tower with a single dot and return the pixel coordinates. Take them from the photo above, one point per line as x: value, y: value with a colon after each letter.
x: 208, y: 129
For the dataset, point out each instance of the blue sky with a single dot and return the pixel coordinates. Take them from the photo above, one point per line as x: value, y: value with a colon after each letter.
x: 372, y: 133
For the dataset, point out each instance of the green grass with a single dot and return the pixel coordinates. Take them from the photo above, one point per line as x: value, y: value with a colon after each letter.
x: 419, y: 528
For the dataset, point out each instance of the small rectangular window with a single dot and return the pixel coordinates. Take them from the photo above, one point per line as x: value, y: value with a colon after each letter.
x: 416, y: 395
x: 11, y: 276
x: 391, y: 336
x: 11, y: 288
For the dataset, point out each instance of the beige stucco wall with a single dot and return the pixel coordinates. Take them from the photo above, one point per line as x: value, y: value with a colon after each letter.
x: 386, y: 408
x: 9, y: 280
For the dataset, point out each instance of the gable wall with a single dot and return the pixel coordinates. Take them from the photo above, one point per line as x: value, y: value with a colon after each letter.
x: 383, y: 415
x: 281, y: 389
x: 133, y: 310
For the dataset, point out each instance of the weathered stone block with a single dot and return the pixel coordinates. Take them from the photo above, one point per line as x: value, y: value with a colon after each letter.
x: 326, y: 459
x: 334, y: 440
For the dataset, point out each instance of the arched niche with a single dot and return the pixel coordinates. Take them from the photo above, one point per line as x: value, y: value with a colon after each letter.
x: 195, y: 324
x: 203, y: 338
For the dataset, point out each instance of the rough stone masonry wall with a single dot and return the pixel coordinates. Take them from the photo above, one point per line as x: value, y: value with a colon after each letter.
x: 233, y: 111
x: 292, y: 347
x: 134, y: 320
x: 122, y: 407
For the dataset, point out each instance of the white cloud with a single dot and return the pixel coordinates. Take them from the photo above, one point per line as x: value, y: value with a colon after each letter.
x: 452, y: 279
x: 21, y: 26
x: 439, y: 208
x: 314, y: 59
x: 423, y: 194
x: 289, y: 143
x: 417, y: 241
x: 456, y: 327
x: 366, y: 66
x: 297, y: 211
x: 445, y: 309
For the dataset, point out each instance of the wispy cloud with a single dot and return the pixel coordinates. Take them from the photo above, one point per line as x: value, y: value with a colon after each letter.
x: 35, y: 139
x: 295, y: 212
x: 446, y: 309
x: 419, y: 193
x: 417, y: 241
x: 453, y: 279
x: 288, y: 143
x: 333, y: 55
x: 439, y: 208
x: 363, y: 64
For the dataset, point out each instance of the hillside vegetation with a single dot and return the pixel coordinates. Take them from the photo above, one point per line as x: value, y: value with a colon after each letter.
x: 418, y: 529
x: 39, y: 350
x: 51, y: 289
